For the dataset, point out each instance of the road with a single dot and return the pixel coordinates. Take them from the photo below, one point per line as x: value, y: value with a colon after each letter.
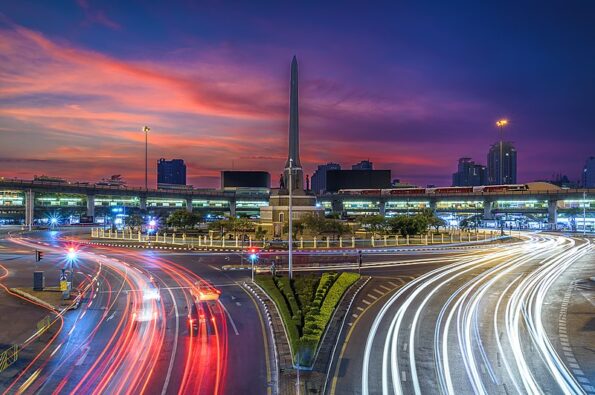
x: 490, y: 322
x: 122, y: 339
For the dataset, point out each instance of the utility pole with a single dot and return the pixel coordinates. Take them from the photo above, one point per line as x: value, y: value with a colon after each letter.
x: 584, y: 213
x: 290, y: 257
x: 146, y: 131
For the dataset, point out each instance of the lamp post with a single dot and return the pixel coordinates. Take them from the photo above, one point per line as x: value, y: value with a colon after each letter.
x: 501, y: 123
x: 290, y: 235
x: 146, y: 132
x: 584, y: 213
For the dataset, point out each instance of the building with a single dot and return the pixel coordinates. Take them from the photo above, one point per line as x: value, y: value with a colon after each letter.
x: 357, y: 179
x: 245, y: 179
x: 469, y: 174
x: 319, y: 177
x: 502, y: 163
x: 170, y: 173
x: 363, y: 165
x: 588, y: 176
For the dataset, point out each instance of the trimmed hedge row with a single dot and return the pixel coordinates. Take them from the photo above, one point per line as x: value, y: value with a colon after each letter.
x: 269, y: 285
x: 318, y: 307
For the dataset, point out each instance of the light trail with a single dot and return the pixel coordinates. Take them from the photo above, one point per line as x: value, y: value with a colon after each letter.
x: 461, y: 294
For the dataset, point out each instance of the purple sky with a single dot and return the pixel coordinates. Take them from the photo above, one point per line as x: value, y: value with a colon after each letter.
x: 410, y: 87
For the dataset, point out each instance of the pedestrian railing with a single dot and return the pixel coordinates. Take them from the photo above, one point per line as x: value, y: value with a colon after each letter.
x: 300, y: 243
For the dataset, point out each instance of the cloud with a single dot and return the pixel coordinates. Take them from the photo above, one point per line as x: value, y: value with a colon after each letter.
x: 93, y: 15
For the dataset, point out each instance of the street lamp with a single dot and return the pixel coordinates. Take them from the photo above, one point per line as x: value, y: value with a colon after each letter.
x: 146, y: 132
x: 501, y: 123
x: 290, y: 235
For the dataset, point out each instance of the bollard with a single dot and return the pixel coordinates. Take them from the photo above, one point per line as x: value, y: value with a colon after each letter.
x: 407, y: 239
x: 397, y: 240
x: 301, y: 243
x: 315, y: 244
x: 386, y: 241
x: 250, y: 241
x: 237, y: 242
x: 352, y: 241
x: 211, y: 241
x: 340, y: 242
x: 328, y: 242
x: 223, y: 241
x: 139, y: 236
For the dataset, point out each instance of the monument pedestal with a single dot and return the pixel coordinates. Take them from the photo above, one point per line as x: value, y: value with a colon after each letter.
x: 275, y: 216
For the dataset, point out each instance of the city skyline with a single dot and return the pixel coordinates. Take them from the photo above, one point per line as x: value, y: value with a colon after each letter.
x: 75, y: 95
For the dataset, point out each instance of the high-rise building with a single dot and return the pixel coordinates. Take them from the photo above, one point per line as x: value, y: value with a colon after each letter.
x: 588, y: 176
x: 363, y: 165
x: 171, y: 172
x: 245, y: 179
x: 357, y: 179
x: 319, y: 177
x: 502, y: 163
x: 469, y: 174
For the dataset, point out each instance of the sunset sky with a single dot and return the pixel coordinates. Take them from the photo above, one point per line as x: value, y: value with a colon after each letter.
x: 410, y: 87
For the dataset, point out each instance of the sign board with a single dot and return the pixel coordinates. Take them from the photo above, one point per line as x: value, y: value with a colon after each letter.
x: 38, y: 281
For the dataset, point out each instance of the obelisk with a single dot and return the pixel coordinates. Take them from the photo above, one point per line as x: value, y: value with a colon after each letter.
x: 293, y: 158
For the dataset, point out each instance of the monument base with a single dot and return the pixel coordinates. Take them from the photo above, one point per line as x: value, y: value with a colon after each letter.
x: 275, y: 216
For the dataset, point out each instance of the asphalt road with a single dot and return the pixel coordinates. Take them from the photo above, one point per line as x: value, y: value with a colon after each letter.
x: 490, y: 322
x: 122, y: 339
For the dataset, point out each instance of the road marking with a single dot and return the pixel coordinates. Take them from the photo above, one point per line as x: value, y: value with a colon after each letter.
x: 230, y: 319
x: 378, y: 291
x: 238, y: 304
x: 366, y: 302
x: 82, y: 358
x: 111, y: 316
x: 215, y: 268
x: 393, y: 284
x: 372, y: 296
x: 55, y: 350
x: 403, y: 375
x: 387, y: 289
x: 360, y: 308
x: 354, y: 315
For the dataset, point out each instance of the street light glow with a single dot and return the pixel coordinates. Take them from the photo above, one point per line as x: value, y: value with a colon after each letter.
x: 502, y: 122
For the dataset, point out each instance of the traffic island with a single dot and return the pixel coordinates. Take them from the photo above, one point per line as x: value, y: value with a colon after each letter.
x: 305, y: 306
x: 50, y: 297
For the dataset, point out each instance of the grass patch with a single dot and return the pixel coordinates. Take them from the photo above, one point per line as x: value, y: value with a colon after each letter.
x: 306, y: 305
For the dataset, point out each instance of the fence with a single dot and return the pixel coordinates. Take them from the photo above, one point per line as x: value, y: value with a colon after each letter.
x: 298, y: 243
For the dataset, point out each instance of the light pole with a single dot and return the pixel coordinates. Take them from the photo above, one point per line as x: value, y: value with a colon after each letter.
x: 290, y: 185
x: 584, y: 213
x: 501, y: 123
x: 146, y: 131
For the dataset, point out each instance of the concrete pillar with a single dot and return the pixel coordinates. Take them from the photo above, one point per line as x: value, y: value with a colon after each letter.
x: 315, y: 244
x: 173, y: 238
x: 386, y: 241
x: 237, y: 241
x: 29, y: 208
x: 552, y: 213
x: 433, y: 204
x: 372, y: 241
x: 407, y: 239
x: 488, y: 206
x: 189, y: 204
x: 91, y: 206
x: 301, y: 243
x: 232, y: 208
x: 352, y: 241
x: 340, y: 242
x: 143, y: 203
x: 382, y: 208
x: 250, y: 242
x: 139, y: 236
x: 397, y: 240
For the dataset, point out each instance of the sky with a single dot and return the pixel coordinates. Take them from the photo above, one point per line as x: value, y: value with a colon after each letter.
x: 411, y: 86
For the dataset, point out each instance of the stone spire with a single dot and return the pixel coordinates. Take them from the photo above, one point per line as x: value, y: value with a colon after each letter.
x: 294, y: 133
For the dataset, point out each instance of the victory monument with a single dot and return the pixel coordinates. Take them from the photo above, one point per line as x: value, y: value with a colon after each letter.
x: 275, y: 216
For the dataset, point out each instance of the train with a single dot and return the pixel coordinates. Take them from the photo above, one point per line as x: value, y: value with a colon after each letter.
x: 432, y: 191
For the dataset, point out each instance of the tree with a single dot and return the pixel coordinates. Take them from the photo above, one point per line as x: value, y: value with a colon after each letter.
x: 572, y: 214
x: 182, y: 219
x: 374, y: 223
x: 135, y: 221
x: 407, y: 225
x: 298, y: 227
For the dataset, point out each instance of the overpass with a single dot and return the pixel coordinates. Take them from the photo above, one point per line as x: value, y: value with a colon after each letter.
x: 34, y: 199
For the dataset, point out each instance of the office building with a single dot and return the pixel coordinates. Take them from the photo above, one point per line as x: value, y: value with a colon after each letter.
x: 363, y: 165
x: 319, y: 177
x: 469, y: 174
x: 357, y: 179
x: 170, y: 172
x: 588, y: 176
x: 502, y: 163
x: 245, y: 179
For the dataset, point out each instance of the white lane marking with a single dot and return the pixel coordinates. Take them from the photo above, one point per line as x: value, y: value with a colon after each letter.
x: 230, y: 319
x: 360, y: 308
x: 215, y: 268
x: 111, y: 316
x: 55, y: 350
x: 366, y: 302
x: 387, y: 289
x: 403, y: 375
x: 82, y: 358
x: 372, y: 296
